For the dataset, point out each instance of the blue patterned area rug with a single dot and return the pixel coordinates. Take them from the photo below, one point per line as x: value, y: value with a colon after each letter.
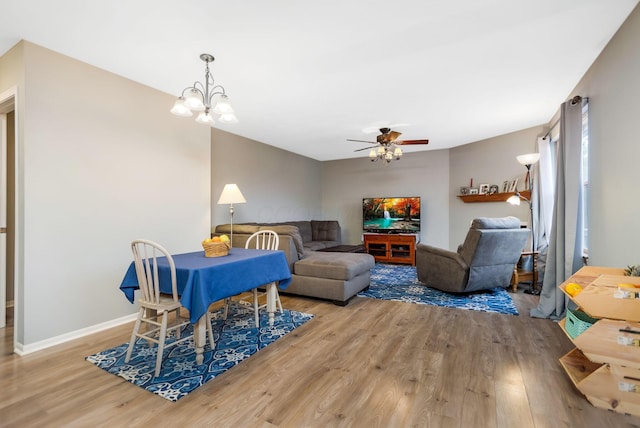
x: 400, y: 283
x: 236, y: 339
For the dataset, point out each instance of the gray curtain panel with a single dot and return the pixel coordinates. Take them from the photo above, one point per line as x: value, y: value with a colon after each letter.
x: 564, y: 255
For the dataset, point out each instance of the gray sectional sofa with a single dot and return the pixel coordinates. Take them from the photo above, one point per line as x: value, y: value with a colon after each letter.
x: 326, y: 275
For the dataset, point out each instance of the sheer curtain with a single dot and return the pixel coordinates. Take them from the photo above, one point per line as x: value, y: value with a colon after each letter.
x: 542, y: 198
x: 564, y: 256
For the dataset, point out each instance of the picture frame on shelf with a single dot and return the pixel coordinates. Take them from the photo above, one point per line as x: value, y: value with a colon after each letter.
x: 483, y: 189
x: 505, y: 186
x: 513, y: 186
x: 464, y: 190
x: 493, y: 189
x: 473, y: 190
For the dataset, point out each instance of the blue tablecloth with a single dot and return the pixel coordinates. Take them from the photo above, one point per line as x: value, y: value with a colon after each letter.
x: 204, y: 280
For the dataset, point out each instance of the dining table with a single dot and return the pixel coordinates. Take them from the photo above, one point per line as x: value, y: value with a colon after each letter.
x: 203, y: 280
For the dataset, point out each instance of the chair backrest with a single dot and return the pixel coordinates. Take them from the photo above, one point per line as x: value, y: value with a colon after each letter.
x: 492, y: 248
x: 145, y: 257
x: 263, y: 240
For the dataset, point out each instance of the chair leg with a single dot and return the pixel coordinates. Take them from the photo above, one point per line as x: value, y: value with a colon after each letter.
x: 256, y: 313
x: 278, y: 301
x: 227, y: 302
x: 161, y: 339
x: 134, y: 335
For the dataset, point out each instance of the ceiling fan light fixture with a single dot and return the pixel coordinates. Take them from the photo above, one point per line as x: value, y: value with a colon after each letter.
x: 387, y: 146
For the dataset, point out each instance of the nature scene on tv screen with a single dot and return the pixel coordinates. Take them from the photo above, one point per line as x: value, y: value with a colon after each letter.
x: 393, y: 215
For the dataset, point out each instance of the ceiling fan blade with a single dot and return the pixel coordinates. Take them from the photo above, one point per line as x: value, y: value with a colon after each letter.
x: 366, y: 148
x: 409, y: 142
x: 393, y: 135
x: 362, y: 141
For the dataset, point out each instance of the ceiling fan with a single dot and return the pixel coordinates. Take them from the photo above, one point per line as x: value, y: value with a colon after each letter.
x: 387, y: 143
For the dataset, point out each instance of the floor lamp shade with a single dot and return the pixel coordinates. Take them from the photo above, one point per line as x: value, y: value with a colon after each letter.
x: 231, y: 194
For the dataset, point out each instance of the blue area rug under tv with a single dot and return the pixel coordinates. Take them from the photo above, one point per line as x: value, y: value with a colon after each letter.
x: 400, y: 283
x: 236, y: 339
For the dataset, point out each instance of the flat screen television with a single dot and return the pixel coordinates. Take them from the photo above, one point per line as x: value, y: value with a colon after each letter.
x: 391, y: 215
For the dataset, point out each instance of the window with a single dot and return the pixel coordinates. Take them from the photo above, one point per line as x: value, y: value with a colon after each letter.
x: 585, y: 180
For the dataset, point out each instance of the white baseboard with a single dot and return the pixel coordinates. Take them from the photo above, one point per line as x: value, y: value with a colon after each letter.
x: 21, y: 349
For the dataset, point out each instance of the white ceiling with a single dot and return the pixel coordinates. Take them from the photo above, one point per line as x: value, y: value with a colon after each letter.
x: 306, y: 76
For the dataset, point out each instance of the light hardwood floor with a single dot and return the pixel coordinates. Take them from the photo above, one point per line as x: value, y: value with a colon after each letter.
x: 369, y: 364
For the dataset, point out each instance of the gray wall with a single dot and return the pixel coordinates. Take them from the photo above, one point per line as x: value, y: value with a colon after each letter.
x: 96, y: 169
x: 613, y: 87
x: 490, y: 161
x: 278, y: 185
x: 424, y: 174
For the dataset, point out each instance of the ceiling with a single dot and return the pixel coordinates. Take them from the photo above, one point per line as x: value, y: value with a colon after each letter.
x: 306, y: 76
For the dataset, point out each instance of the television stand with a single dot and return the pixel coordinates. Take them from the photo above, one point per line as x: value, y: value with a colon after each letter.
x: 391, y: 248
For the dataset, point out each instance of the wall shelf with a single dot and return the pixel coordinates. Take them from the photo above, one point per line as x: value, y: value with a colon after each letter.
x: 495, y: 197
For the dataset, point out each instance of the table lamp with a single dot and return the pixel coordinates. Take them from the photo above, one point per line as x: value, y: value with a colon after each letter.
x: 231, y: 194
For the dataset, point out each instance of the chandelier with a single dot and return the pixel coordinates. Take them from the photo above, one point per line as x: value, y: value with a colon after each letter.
x: 387, y: 153
x: 199, y: 98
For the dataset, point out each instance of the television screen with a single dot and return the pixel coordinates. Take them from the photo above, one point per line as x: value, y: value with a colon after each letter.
x: 391, y: 215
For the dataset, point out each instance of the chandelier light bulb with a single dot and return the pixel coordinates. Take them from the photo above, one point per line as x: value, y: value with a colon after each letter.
x: 205, y: 118
x: 228, y: 118
x: 179, y: 109
x: 193, y: 101
x: 199, y: 98
x: 223, y: 106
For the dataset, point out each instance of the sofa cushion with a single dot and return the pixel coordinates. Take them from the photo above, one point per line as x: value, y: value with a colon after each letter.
x: 291, y: 231
x: 238, y: 228
x: 319, y: 245
x: 342, y: 266
x: 325, y: 230
x: 304, y: 227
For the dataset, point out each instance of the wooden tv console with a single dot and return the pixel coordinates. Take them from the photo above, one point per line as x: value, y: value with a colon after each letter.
x: 391, y: 248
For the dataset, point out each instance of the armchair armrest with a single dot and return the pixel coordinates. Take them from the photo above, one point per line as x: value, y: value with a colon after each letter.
x: 440, y: 268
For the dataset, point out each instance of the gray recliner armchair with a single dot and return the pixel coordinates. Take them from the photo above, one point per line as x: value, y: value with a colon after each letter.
x: 485, y: 260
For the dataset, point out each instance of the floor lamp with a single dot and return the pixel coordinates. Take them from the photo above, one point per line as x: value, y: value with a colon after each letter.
x: 231, y: 194
x: 528, y: 160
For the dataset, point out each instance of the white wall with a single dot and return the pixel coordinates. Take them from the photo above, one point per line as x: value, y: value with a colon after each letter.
x: 101, y: 162
x: 613, y: 87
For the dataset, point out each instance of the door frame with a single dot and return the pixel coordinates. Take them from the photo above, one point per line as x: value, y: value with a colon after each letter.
x: 8, y: 103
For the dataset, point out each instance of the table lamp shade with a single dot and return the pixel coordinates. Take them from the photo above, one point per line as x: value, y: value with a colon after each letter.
x: 231, y: 195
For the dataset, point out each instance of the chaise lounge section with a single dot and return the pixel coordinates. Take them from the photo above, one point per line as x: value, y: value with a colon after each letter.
x: 326, y: 275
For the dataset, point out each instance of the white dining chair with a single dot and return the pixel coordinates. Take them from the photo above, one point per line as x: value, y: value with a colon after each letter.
x: 261, y: 240
x: 155, y: 306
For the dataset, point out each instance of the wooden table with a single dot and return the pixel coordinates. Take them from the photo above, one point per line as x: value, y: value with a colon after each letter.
x: 204, y: 280
x: 520, y: 274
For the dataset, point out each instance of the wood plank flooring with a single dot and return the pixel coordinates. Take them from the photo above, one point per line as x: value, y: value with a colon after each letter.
x: 369, y: 364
